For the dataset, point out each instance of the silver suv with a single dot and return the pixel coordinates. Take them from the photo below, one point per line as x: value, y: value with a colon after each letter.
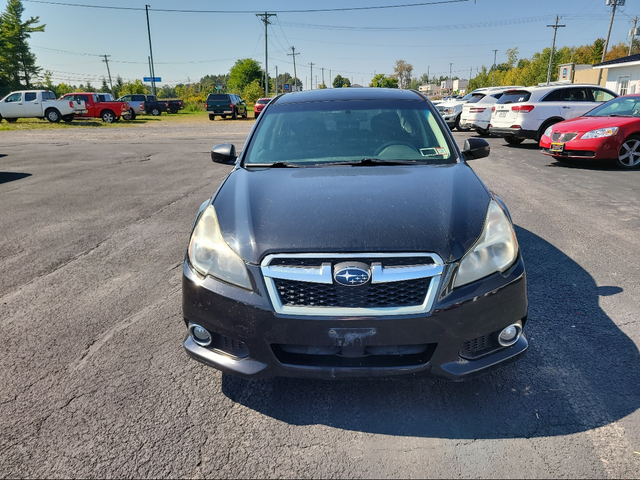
x: 527, y: 112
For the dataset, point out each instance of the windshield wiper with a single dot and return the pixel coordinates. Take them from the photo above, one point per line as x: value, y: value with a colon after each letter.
x: 369, y: 162
x: 273, y: 165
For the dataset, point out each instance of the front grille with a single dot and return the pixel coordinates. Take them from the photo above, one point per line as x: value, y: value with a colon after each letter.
x: 399, y: 283
x: 563, y: 137
x: 393, y: 294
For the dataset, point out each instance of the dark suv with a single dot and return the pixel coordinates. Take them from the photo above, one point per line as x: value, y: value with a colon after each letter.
x: 223, y: 104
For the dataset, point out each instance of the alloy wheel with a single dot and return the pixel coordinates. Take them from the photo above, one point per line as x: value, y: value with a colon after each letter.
x: 629, y: 155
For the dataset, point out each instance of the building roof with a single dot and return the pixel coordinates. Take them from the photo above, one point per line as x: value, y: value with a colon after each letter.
x: 620, y: 62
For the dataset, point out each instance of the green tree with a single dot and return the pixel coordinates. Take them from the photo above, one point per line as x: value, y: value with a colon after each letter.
x: 63, y: 89
x: 252, y: 92
x: 17, y: 63
x: 339, y: 81
x: 244, y: 72
x: 382, y: 81
x: 104, y: 88
x: 136, y: 87
x: 118, y: 86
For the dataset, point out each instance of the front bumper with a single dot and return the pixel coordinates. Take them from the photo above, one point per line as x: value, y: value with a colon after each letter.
x: 590, y: 149
x: 513, y: 132
x: 464, y: 314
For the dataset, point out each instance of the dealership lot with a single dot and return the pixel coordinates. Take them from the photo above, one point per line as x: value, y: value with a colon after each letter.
x: 95, y: 382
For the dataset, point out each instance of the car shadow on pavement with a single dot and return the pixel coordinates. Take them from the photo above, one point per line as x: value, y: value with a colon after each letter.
x: 6, y: 177
x: 581, y: 372
x: 602, y: 165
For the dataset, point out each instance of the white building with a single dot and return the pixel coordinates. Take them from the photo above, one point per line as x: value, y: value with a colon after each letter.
x: 622, y: 74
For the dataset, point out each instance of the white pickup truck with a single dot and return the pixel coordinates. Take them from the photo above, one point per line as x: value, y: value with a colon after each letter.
x: 38, y: 104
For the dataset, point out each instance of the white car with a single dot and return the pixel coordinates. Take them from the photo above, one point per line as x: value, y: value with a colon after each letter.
x: 476, y: 113
x: 38, y: 104
x: 452, y: 109
x: 524, y: 113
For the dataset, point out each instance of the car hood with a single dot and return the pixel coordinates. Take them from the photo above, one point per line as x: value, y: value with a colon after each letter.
x: 452, y: 103
x: 586, y: 124
x: 436, y: 209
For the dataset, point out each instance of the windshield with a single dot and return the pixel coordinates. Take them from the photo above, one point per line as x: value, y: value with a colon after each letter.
x: 618, y: 107
x: 467, y: 97
x: 315, y: 133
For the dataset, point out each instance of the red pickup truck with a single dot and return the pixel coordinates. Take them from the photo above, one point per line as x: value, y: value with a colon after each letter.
x: 108, y: 111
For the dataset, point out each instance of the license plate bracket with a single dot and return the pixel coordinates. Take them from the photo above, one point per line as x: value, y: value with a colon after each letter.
x: 502, y: 114
x: 557, y: 147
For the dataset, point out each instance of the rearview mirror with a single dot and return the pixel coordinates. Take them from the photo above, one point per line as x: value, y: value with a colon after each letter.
x: 475, y: 148
x: 224, y: 153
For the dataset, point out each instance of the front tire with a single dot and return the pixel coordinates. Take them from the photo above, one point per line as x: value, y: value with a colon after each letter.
x: 156, y: 112
x: 130, y: 115
x: 53, y: 115
x: 108, y: 116
x: 514, y: 140
x: 11, y: 120
x: 629, y: 153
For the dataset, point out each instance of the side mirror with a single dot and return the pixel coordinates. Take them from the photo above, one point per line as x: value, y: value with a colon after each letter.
x: 475, y: 148
x: 224, y: 153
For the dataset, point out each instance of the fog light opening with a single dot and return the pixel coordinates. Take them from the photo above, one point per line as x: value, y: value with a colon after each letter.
x: 200, y: 335
x: 510, y: 335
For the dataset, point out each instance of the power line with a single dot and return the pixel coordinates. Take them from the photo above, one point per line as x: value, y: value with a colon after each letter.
x: 315, y: 10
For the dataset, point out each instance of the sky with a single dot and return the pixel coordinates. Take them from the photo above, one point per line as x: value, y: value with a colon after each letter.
x: 448, y: 35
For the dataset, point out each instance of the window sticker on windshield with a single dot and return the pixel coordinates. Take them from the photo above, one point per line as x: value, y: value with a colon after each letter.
x: 441, y: 151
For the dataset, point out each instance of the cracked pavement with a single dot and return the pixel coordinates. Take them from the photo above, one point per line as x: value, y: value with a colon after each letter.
x: 95, y: 382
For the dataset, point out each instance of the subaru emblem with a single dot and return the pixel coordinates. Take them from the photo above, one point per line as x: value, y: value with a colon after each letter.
x: 351, y: 274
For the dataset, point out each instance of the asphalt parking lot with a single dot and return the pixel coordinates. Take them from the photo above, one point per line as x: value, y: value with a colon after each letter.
x: 95, y: 382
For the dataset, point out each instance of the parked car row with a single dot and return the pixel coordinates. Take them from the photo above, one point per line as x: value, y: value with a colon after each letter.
x: 39, y: 104
x: 568, y: 121
x: 43, y: 104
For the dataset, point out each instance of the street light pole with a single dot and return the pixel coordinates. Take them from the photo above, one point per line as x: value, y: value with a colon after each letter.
x: 265, y: 18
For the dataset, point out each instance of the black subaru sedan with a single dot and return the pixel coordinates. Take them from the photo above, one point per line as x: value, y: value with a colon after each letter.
x: 352, y: 239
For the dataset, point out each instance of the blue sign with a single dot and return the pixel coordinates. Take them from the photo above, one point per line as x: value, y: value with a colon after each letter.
x: 148, y: 79
x: 287, y: 87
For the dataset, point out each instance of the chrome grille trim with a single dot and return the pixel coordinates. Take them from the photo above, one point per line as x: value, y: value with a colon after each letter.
x: 379, y: 274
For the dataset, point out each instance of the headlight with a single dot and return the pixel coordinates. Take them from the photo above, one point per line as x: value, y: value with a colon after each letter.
x: 447, y: 111
x: 210, y: 255
x: 601, y: 132
x: 547, y: 132
x: 495, y: 250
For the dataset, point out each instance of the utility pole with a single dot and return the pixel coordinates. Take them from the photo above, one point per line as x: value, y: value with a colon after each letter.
x: 330, y: 80
x: 265, y: 18
x: 493, y: 77
x: 311, y: 64
x: 633, y: 33
x: 153, y: 72
x: 323, y: 85
x: 295, y: 75
x: 276, y: 82
x: 450, y: 80
x: 614, y: 3
x: 106, y: 60
x: 553, y: 46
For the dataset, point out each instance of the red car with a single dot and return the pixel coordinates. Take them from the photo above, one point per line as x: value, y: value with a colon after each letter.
x: 259, y: 106
x: 108, y: 111
x: 610, y: 131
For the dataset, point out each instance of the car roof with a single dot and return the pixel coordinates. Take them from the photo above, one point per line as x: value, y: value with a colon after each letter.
x: 348, y: 93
